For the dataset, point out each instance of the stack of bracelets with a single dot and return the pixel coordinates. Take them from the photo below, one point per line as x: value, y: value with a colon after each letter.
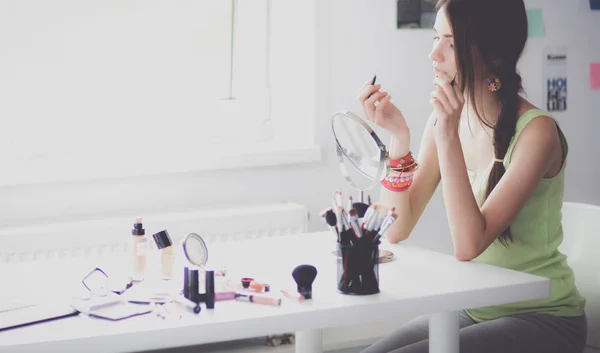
x: 402, y: 172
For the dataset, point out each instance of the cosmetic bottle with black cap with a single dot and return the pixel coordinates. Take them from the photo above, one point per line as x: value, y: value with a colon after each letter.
x: 165, y: 246
x: 139, y: 250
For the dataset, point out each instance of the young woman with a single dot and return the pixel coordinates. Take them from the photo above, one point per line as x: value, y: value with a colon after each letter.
x: 501, y: 162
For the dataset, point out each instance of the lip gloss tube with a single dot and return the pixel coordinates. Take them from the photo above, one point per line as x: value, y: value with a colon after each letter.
x: 291, y: 295
x: 219, y: 296
x: 252, y: 298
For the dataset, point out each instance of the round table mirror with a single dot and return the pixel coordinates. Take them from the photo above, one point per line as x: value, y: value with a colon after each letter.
x: 362, y: 157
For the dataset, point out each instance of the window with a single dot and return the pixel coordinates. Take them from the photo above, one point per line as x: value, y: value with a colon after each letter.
x: 234, y: 65
x: 126, y: 87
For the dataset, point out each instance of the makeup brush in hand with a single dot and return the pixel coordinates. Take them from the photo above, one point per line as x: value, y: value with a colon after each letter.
x: 304, y: 275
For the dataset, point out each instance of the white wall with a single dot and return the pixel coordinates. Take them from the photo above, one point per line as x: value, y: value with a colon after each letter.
x: 355, y: 40
x: 67, y: 201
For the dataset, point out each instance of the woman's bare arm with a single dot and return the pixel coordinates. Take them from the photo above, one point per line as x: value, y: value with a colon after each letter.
x: 411, y: 203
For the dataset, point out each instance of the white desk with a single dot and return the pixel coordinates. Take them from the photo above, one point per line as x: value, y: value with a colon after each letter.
x: 418, y: 281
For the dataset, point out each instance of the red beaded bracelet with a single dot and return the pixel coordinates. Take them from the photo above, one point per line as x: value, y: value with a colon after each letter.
x: 397, y: 183
x: 391, y: 188
x: 403, y: 162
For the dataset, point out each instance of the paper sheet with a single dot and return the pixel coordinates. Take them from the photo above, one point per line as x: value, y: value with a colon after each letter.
x: 555, y: 78
x: 535, y: 22
x: 595, y: 75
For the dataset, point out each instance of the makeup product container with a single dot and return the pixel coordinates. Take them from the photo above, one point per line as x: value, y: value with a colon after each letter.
x: 165, y: 246
x: 258, y: 299
x: 209, y: 287
x: 139, y: 250
x: 190, y: 285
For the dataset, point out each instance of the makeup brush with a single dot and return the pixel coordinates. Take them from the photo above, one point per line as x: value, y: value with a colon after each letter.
x: 323, y: 212
x: 368, y: 215
x: 383, y: 214
x: 337, y: 199
x: 353, y: 218
x: 330, y: 218
x: 388, y: 218
x: 385, y: 227
x: 331, y: 221
x: 377, y: 220
x: 361, y: 208
x: 347, y: 234
x: 343, y: 217
x: 339, y: 209
x: 372, y: 83
x: 372, y: 220
x: 304, y: 275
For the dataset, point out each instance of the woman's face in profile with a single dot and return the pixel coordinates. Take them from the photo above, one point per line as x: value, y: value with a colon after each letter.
x: 442, y: 53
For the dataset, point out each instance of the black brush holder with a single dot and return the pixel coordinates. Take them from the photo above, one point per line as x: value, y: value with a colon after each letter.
x: 358, y: 267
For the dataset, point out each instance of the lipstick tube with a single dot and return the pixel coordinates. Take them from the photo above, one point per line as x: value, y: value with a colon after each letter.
x: 219, y: 296
x: 210, y: 289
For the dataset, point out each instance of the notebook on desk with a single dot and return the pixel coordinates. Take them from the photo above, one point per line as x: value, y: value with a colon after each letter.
x: 34, y: 314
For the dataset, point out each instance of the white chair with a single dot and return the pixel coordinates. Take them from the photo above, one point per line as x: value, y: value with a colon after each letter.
x: 581, y: 228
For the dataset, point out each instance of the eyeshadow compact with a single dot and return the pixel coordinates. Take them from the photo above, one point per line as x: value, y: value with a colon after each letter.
x: 196, y: 252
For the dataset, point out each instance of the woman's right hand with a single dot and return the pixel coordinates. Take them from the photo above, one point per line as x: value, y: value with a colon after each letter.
x: 377, y: 107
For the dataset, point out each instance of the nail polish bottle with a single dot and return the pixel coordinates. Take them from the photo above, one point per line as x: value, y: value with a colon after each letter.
x: 165, y: 245
x: 139, y: 250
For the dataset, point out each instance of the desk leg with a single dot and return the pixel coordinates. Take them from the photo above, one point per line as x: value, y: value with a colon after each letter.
x: 443, y: 333
x: 309, y: 341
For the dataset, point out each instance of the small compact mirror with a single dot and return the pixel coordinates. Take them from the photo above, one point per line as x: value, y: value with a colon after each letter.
x: 362, y: 157
x: 195, y: 250
x: 96, y: 282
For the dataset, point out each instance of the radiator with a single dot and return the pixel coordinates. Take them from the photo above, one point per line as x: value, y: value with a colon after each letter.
x: 112, y: 236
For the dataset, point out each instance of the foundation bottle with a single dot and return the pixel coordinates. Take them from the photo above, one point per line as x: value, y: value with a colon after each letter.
x: 165, y: 245
x: 139, y: 250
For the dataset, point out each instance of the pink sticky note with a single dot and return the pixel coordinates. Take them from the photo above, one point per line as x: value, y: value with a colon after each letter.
x: 595, y: 75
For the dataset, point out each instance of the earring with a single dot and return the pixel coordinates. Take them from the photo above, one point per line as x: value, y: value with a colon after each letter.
x: 493, y: 83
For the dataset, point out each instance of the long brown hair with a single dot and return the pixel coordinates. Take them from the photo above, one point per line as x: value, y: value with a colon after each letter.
x: 490, y: 34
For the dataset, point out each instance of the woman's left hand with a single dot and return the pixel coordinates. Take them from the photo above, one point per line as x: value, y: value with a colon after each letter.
x: 447, y: 101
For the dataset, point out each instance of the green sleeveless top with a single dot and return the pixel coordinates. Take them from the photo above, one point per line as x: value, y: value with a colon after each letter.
x: 537, y: 233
